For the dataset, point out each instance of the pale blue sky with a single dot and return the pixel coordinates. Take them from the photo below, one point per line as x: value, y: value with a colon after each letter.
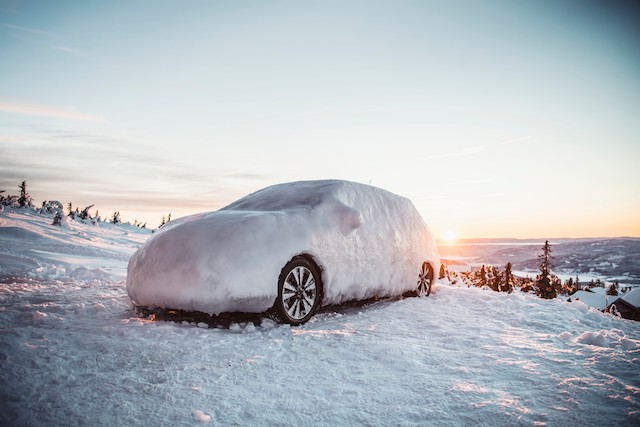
x: 498, y: 118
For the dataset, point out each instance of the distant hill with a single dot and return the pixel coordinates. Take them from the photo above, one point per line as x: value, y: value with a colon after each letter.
x: 612, y: 258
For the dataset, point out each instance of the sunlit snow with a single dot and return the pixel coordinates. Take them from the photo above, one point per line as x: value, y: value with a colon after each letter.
x: 73, y: 352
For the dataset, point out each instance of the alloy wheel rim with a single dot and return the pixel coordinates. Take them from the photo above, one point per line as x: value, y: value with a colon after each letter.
x: 299, y: 293
x: 424, y: 280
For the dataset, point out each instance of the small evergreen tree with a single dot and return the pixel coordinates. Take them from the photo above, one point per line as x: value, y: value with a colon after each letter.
x: 526, y: 284
x: 85, y: 213
x: 116, y: 218
x: 70, y: 208
x: 163, y: 222
x: 496, y: 282
x: 546, y: 287
x: 569, y: 287
x: 613, y: 289
x: 25, y: 199
x: 57, y: 219
x: 482, y: 276
x: 508, y: 279
x: 443, y: 271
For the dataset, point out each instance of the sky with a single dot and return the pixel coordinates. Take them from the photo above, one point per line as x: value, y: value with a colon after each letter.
x: 497, y: 118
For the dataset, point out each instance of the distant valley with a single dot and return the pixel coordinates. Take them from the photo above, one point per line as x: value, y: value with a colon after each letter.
x: 614, y: 259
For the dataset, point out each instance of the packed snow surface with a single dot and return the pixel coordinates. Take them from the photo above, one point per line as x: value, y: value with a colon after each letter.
x: 73, y: 352
x: 31, y: 247
x: 367, y: 241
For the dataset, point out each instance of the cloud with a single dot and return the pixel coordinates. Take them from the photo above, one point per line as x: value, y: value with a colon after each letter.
x: 25, y: 30
x: 41, y: 110
x: 466, y: 152
x: 511, y: 141
x: 68, y: 50
x: 29, y: 30
x: 110, y: 168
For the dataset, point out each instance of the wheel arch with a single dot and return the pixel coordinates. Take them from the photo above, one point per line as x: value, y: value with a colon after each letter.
x: 435, y: 267
x: 314, y: 259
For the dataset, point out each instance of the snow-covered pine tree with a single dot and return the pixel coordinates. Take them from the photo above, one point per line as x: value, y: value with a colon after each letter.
x: 482, y: 276
x: 70, y: 208
x: 25, y: 199
x: 544, y: 286
x: 496, y: 281
x: 57, y: 218
x: 508, y: 279
x: 51, y: 207
x: 85, y: 213
x: 116, y: 218
x: 569, y: 287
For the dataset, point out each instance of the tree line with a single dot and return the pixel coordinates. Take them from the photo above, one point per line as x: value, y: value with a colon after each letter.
x: 546, y: 284
x: 55, y: 208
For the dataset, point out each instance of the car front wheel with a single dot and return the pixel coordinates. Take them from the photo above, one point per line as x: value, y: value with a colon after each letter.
x: 299, y: 291
x: 425, y: 280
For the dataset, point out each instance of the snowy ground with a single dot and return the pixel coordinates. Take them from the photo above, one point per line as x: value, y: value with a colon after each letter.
x: 73, y: 352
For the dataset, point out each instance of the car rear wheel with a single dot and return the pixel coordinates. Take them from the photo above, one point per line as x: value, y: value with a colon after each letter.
x: 299, y: 291
x: 425, y: 280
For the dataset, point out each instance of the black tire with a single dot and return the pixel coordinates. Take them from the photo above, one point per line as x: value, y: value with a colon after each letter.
x: 299, y: 291
x: 425, y: 280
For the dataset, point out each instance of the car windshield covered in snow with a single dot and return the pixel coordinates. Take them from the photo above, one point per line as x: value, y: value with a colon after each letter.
x: 303, y: 194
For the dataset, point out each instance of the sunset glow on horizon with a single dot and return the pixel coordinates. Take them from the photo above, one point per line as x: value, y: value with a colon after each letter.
x: 496, y: 118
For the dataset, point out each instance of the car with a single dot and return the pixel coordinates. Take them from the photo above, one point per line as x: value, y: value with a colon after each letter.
x: 287, y: 250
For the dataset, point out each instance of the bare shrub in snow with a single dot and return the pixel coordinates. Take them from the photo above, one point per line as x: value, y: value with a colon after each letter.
x: 115, y: 219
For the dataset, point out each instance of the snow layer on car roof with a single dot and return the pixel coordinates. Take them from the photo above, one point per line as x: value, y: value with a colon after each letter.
x: 301, y: 194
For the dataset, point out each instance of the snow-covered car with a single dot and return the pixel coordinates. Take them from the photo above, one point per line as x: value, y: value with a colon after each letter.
x: 287, y: 249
